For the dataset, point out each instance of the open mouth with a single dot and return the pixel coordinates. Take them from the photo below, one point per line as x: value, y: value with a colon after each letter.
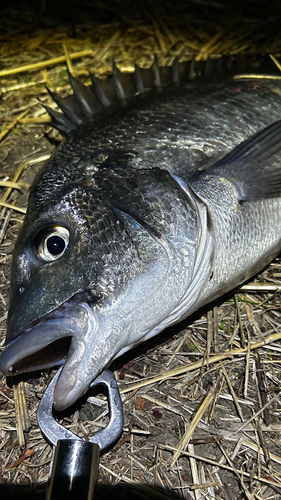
x: 47, y: 342
x: 53, y: 354
x: 58, y: 338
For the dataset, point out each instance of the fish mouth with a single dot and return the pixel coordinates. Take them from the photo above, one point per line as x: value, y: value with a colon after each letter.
x: 53, y: 354
x: 57, y: 339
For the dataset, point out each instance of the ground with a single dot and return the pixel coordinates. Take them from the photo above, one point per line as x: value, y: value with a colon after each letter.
x: 208, y: 387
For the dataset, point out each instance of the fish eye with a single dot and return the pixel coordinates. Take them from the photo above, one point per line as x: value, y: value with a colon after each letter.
x: 52, y: 243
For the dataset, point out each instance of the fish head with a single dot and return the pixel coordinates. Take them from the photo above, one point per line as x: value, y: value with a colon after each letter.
x: 48, y: 265
x: 102, y: 262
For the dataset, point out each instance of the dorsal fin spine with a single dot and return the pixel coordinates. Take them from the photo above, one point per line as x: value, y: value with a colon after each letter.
x: 118, y: 88
x: 118, y: 83
x: 84, y: 96
x: 99, y: 92
x: 59, y: 120
x: 176, y: 72
x: 138, y: 80
x: 156, y: 73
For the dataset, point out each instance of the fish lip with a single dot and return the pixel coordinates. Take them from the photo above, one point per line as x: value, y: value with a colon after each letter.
x: 13, y: 355
x: 40, y: 336
x: 80, y: 297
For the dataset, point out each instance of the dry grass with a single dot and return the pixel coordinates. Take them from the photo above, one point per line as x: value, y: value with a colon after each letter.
x: 202, y: 408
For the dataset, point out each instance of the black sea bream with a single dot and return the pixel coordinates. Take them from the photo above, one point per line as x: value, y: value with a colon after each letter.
x: 154, y: 205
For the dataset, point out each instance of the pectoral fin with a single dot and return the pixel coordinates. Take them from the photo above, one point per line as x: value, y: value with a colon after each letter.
x: 254, y: 167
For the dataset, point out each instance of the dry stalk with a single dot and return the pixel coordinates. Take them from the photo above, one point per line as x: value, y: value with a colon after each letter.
x: 222, y: 466
x: 254, y: 76
x: 215, y: 329
x: 6, y: 214
x: 275, y: 60
x: 242, y: 336
x: 247, y: 365
x: 232, y: 392
x: 14, y: 185
x: 195, y: 475
x: 217, y: 392
x: 206, y: 401
x: 15, y: 179
x: 68, y: 59
x: 18, y: 412
x: 21, y: 86
x: 262, y: 388
x: 198, y: 364
x: 178, y: 348
x: 209, y: 334
x: 260, y: 287
x: 204, y: 485
x: 13, y: 207
x: 37, y: 466
x: 45, y: 64
x: 23, y: 407
x: 263, y: 444
x: 12, y: 125
x: 44, y: 119
x: 253, y: 446
x: 236, y: 471
x: 163, y: 405
x: 257, y: 413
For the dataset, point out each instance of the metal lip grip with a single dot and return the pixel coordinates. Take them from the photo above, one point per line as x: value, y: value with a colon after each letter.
x: 74, y: 466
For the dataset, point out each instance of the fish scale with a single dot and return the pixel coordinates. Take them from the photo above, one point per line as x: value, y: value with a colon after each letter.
x: 154, y: 205
x: 207, y: 128
x: 243, y: 232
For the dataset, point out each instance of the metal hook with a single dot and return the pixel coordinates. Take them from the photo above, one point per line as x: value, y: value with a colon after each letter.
x: 74, y: 466
x: 53, y: 431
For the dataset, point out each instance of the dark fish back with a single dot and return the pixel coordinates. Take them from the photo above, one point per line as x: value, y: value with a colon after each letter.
x: 182, y: 127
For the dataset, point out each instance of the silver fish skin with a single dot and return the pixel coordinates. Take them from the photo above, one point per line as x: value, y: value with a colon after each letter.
x: 148, y: 211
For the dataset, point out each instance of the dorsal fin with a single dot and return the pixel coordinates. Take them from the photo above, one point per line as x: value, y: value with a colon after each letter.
x: 100, y: 89
x: 115, y: 90
x: 69, y: 107
x: 157, y: 81
x: 59, y: 120
x: 192, y: 69
x: 124, y: 83
x: 176, y: 72
x: 85, y: 97
x: 108, y: 88
x: 139, y: 80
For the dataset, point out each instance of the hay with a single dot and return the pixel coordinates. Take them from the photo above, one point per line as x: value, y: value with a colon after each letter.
x: 195, y: 445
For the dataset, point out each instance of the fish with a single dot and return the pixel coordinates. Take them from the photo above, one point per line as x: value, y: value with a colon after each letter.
x: 164, y: 196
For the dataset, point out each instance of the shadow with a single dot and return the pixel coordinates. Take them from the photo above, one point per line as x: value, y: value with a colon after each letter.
x: 119, y: 492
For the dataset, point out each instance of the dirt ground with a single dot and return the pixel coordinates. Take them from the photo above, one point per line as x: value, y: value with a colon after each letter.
x: 202, y: 401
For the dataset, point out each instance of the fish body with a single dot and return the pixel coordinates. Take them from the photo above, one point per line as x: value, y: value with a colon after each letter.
x: 150, y: 209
